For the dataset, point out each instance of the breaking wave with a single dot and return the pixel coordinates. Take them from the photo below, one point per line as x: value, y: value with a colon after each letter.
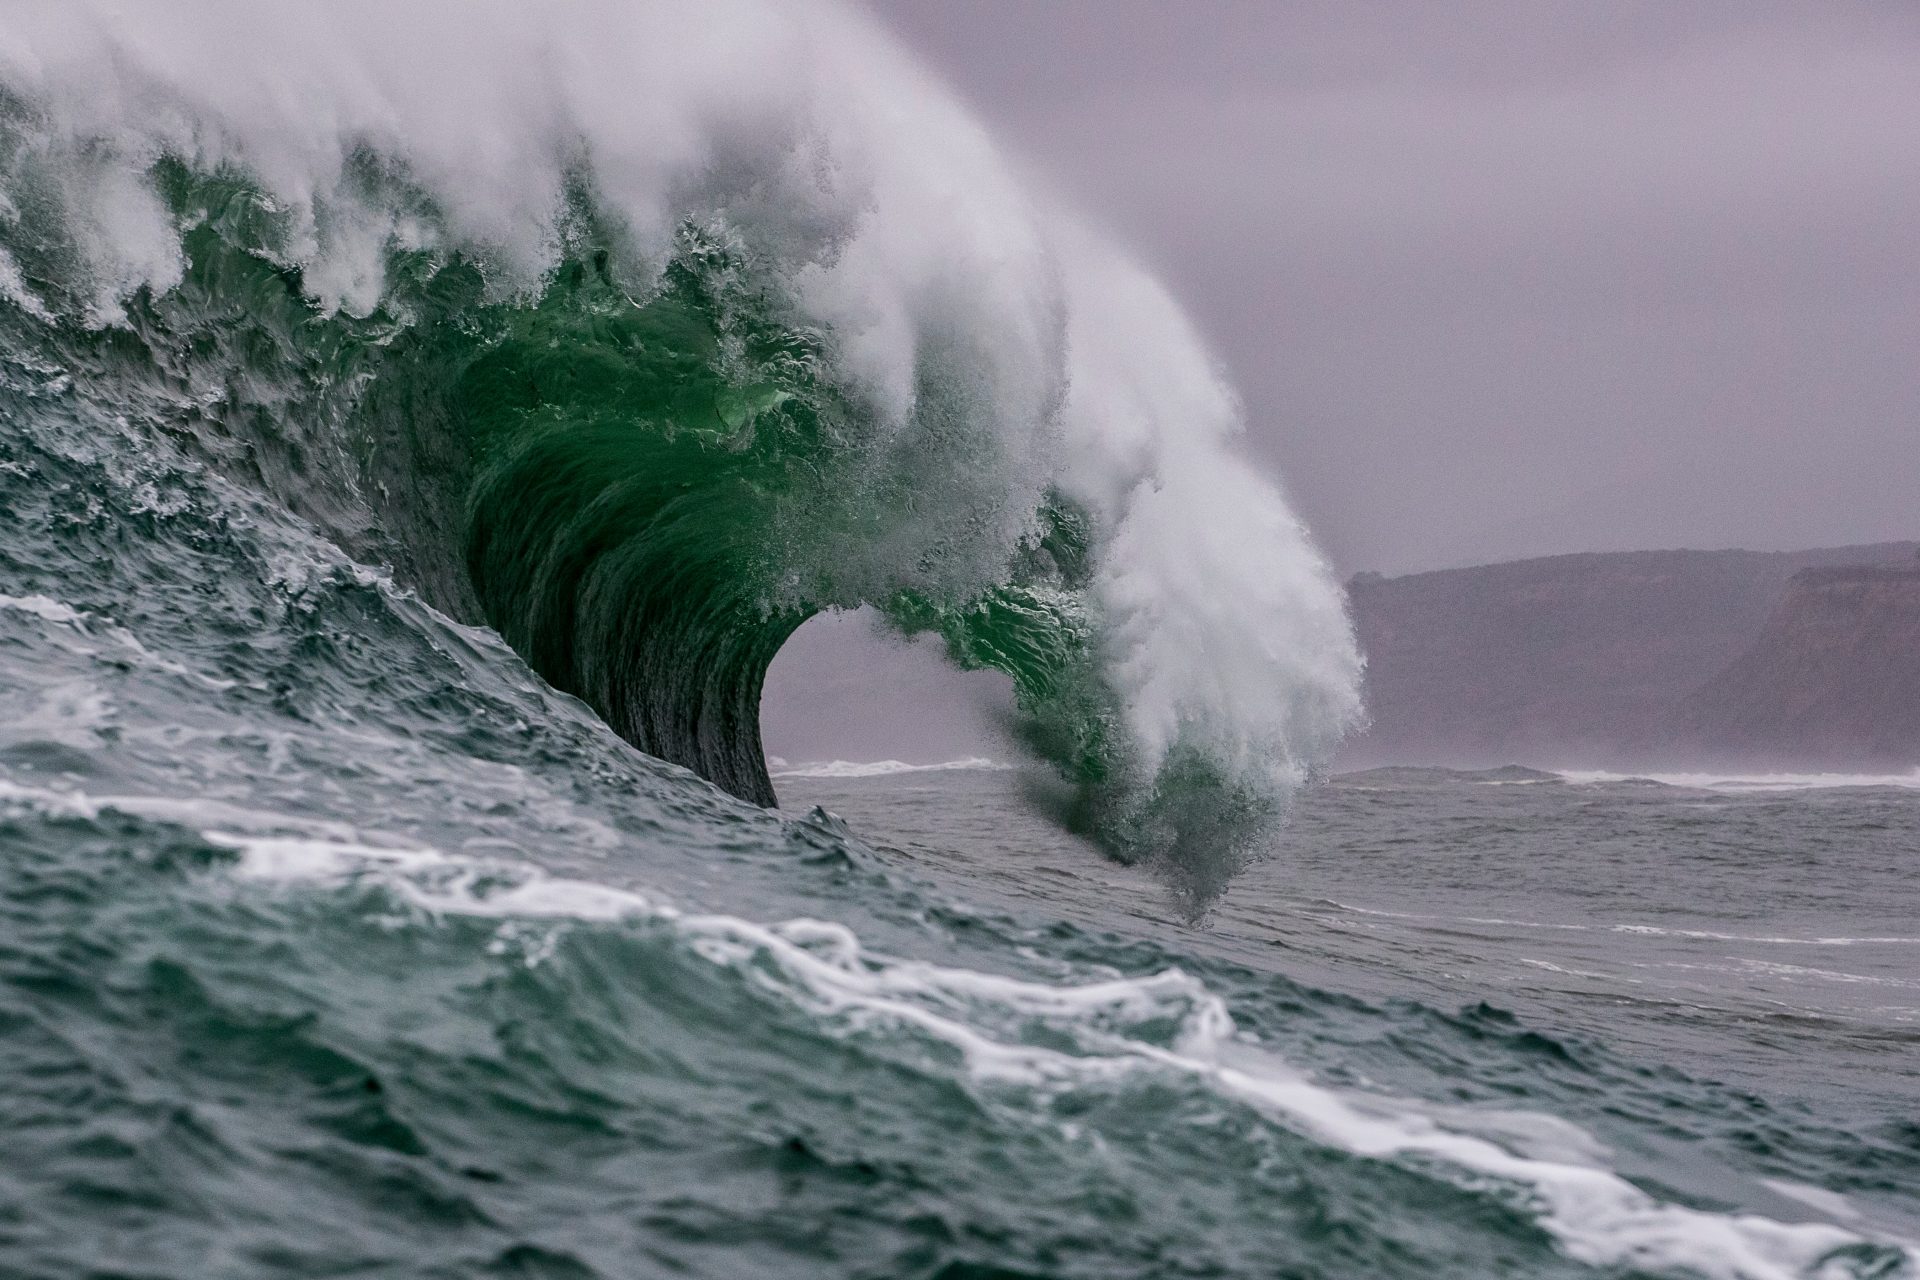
x: 643, y: 332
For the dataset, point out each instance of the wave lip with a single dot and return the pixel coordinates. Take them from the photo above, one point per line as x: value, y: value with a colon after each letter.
x: 735, y: 316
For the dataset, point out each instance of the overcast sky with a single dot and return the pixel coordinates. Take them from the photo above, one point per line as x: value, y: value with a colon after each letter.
x: 1510, y: 277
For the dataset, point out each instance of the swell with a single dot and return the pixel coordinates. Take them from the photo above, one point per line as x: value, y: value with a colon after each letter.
x: 640, y: 495
x: 675, y: 366
x: 615, y: 528
x: 662, y: 493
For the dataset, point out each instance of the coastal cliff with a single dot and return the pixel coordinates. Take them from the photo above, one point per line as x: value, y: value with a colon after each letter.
x: 1832, y: 679
x: 1636, y: 658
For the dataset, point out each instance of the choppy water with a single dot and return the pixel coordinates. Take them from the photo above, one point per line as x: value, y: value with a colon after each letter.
x: 1763, y: 931
x: 399, y: 964
x: 335, y: 941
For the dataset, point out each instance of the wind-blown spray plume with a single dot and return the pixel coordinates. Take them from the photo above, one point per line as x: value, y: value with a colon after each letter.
x: 643, y: 331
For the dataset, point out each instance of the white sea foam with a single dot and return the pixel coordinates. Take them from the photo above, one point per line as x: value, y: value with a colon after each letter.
x: 1651, y: 930
x: 45, y: 608
x: 1709, y: 935
x: 800, y: 131
x: 186, y: 811
x: 1794, y: 972
x: 1105, y: 1032
x: 430, y: 880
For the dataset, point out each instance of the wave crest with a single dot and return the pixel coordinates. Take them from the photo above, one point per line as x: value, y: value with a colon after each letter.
x: 643, y: 333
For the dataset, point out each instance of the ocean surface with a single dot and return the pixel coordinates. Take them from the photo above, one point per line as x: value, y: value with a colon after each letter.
x: 421, y: 424
x: 418, y: 970
x: 1759, y: 929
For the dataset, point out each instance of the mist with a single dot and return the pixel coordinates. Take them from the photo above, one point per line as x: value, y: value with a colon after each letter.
x: 1499, y: 280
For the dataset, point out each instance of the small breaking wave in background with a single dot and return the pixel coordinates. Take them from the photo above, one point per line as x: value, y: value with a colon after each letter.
x: 1751, y: 782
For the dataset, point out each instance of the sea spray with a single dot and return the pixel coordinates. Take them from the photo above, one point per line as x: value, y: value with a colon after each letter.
x: 641, y: 333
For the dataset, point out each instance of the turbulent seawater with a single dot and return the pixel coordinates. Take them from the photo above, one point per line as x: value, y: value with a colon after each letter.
x: 641, y: 332
x: 468, y: 986
x: 420, y: 425
x: 1755, y: 931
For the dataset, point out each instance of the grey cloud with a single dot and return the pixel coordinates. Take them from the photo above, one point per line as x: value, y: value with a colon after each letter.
x: 1480, y: 268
